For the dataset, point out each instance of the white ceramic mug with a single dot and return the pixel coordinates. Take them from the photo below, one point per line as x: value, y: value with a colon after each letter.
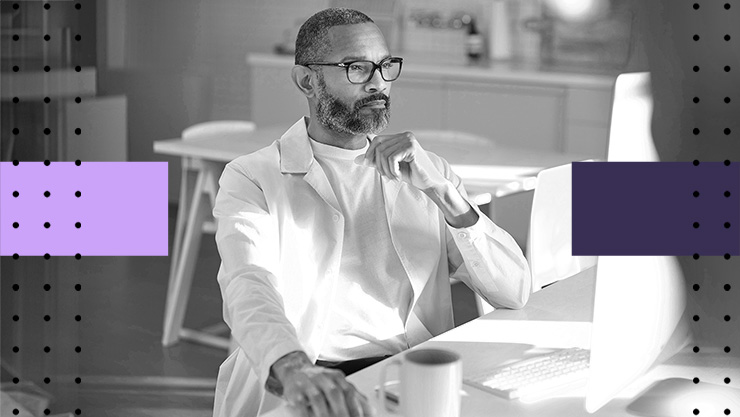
x: 430, y: 383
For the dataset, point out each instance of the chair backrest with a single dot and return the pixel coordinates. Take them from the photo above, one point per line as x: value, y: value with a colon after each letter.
x: 550, y: 242
x: 218, y: 128
x: 630, y: 136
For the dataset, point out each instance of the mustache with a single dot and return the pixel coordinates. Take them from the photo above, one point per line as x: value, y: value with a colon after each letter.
x: 374, y: 97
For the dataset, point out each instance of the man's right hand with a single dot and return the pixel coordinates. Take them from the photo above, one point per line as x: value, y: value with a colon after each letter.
x: 315, y: 391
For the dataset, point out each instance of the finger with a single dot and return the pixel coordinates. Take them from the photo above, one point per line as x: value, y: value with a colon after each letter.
x: 360, y: 160
x: 299, y: 404
x: 334, y: 393
x: 370, y: 153
x: 317, y: 401
x: 390, y: 155
x: 395, y: 161
x: 381, y: 162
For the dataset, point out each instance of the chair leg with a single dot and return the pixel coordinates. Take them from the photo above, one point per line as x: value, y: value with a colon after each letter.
x: 187, y: 192
x: 177, y: 297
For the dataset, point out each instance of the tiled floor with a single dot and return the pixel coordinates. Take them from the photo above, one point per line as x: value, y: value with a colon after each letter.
x: 123, y: 367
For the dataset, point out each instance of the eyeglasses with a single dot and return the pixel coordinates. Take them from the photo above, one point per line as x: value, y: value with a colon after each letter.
x: 360, y: 72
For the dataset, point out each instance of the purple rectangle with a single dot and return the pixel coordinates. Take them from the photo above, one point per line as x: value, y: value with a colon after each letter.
x: 650, y: 208
x: 121, y: 210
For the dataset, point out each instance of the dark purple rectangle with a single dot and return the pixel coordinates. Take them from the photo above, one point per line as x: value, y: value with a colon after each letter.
x: 650, y: 208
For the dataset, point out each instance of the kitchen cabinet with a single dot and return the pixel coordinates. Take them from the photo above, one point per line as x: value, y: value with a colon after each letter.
x: 526, y: 107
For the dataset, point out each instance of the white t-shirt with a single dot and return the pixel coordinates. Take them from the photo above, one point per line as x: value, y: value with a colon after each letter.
x: 374, y: 293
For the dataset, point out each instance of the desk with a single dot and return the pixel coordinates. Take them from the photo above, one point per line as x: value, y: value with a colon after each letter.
x: 481, y: 163
x: 557, y: 317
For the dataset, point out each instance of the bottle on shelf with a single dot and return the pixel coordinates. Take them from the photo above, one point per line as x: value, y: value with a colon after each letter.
x: 474, y: 42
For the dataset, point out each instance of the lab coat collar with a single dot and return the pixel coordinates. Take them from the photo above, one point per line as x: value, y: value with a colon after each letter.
x: 296, y: 155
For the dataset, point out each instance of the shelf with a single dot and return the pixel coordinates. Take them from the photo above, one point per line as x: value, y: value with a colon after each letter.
x: 54, y: 84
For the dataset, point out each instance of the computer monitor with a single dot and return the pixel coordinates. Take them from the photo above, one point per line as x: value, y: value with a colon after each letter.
x: 630, y: 137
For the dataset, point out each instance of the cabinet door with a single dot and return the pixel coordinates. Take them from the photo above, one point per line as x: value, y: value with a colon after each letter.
x: 511, y: 115
x: 276, y: 101
x: 416, y: 104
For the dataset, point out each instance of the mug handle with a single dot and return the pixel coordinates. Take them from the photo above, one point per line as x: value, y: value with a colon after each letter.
x: 383, y: 399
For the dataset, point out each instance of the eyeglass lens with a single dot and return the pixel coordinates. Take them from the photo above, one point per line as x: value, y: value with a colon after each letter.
x: 362, y: 71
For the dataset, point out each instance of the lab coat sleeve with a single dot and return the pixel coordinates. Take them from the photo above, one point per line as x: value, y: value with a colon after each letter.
x: 485, y: 257
x: 248, y: 242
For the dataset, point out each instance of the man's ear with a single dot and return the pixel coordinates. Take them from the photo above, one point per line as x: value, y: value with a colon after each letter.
x: 303, y: 79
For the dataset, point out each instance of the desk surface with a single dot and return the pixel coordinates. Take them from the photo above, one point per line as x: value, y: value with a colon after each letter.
x: 478, y: 162
x: 558, y: 316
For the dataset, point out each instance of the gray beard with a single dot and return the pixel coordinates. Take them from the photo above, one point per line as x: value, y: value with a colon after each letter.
x: 340, y: 118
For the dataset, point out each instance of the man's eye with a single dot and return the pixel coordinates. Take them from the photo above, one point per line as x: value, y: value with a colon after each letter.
x: 356, y: 67
x: 387, y: 65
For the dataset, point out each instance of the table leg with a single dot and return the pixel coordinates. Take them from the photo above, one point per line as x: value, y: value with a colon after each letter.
x: 187, y: 192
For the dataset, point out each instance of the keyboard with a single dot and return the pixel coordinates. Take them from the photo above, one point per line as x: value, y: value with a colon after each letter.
x: 538, y: 377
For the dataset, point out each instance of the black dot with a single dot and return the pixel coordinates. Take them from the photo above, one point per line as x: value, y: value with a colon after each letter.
x: 47, y: 256
x: 696, y: 256
x: 727, y: 380
x: 78, y: 37
x: 78, y: 256
x: 78, y: 349
x: 16, y: 6
x: 16, y: 38
x: 696, y: 99
x: 727, y: 68
x: 47, y: 100
x: 78, y: 162
x: 47, y: 131
x: 16, y: 380
x: 16, y: 68
x: 46, y: 381
x: 727, y: 225
x: 727, y: 131
x: 696, y: 287
x: 727, y: 6
x: 696, y: 318
x: 78, y: 380
x: 15, y: 256
x: 696, y: 194
x: 47, y: 68
x: 47, y: 6
x: 78, y: 317
x: 78, y: 225
x: 47, y: 287
x: 79, y: 194
x: 696, y: 225
x: 78, y: 131
x: 16, y: 131
x: 16, y: 349
x: 727, y: 162
x: 728, y: 37
x: 696, y: 37
x: 696, y: 131
x: 15, y: 225
x: 16, y: 100
x: 15, y: 194
x: 727, y: 411
x: 47, y: 194
x: 47, y: 225
x: 696, y: 349
x: 16, y: 287
x: 696, y: 6
x: 47, y: 349
x: 47, y: 411
x: 47, y: 37
x: 78, y: 6
x: 727, y: 318
x: 47, y: 162
x: 727, y: 100
x: 78, y: 287
x: 696, y: 380
x: 78, y: 411
x: 16, y: 411
x: 727, y: 194
x: 727, y: 349
x: 47, y: 317
x: 15, y: 162
x: 696, y: 411
x: 78, y: 100
x: 78, y: 68
x: 696, y: 162
x: 727, y: 287
x: 696, y: 68
x: 727, y: 256
x: 15, y: 317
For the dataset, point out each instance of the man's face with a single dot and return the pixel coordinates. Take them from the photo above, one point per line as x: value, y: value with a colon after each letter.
x: 347, y: 108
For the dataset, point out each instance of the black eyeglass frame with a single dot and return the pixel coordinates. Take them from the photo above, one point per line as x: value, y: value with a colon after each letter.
x: 377, y: 66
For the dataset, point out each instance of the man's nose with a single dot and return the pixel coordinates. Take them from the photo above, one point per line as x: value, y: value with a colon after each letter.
x: 376, y: 82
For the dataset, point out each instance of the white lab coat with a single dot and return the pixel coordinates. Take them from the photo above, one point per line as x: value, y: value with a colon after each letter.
x: 280, y: 240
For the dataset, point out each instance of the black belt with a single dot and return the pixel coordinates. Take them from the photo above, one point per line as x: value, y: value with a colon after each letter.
x: 352, y: 366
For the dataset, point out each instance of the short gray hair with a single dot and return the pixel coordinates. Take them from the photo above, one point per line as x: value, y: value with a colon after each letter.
x: 312, y: 43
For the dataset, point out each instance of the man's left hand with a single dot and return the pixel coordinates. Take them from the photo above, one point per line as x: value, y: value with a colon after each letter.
x: 400, y: 156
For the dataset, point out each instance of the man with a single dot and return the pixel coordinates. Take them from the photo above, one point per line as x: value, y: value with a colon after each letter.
x: 337, y: 245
